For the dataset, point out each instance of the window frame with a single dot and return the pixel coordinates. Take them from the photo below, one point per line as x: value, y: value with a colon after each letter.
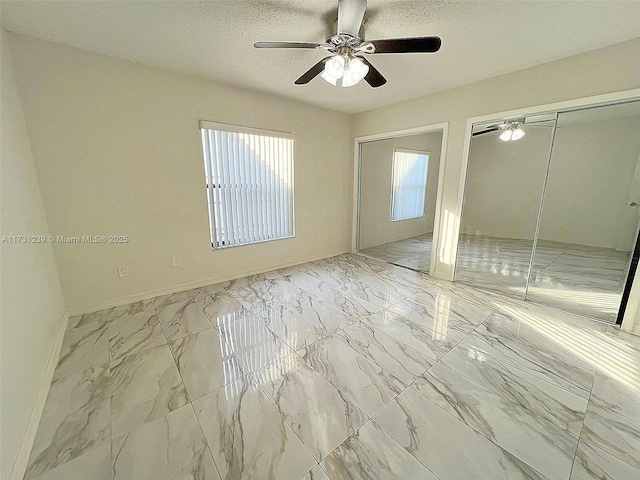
x: 205, y: 126
x: 393, y: 177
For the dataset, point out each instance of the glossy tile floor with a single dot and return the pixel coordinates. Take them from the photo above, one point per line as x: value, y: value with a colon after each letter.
x: 346, y: 368
x: 413, y: 253
x: 576, y: 278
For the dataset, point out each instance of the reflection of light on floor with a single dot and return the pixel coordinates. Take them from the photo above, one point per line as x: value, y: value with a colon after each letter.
x: 413, y: 252
x: 229, y: 370
x: 580, y: 279
x: 477, y: 355
x: 449, y: 238
x: 285, y: 367
x: 277, y: 369
x: 600, y: 301
x: 595, y: 348
x: 600, y: 304
x: 441, y: 317
x: 252, y: 343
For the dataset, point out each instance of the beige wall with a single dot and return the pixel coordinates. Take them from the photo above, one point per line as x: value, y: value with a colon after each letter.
x: 504, y: 184
x: 375, y: 193
x: 607, y: 70
x: 376, y: 173
x: 589, y: 181
x: 118, y: 152
x: 32, y: 309
x: 590, y: 177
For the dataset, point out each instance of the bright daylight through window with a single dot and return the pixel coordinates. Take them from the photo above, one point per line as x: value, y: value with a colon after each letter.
x: 249, y: 175
x: 409, y: 184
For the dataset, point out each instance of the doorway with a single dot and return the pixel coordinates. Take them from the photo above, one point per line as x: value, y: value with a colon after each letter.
x: 551, y: 208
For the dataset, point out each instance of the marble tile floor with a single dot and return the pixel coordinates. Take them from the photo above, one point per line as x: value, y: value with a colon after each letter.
x: 576, y: 278
x: 579, y: 279
x: 345, y: 368
x: 413, y: 252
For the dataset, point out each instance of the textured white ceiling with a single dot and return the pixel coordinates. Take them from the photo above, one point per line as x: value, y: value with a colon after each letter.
x: 213, y: 39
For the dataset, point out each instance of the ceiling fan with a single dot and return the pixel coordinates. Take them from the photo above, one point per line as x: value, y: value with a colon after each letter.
x: 511, y: 130
x: 347, y: 63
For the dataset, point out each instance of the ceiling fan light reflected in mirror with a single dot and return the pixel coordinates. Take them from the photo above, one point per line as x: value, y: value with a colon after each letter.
x: 512, y: 132
x: 517, y: 134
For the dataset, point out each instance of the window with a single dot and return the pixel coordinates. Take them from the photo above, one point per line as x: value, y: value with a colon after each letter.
x: 249, y: 177
x: 409, y: 184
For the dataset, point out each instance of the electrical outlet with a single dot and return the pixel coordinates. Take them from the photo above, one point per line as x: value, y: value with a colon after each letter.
x: 175, y: 261
x: 123, y: 271
x: 317, y: 238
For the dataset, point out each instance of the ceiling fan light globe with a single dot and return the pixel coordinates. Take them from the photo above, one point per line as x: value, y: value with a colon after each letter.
x: 517, y: 134
x: 333, y: 81
x: 334, y: 68
x: 356, y: 70
x: 506, y: 135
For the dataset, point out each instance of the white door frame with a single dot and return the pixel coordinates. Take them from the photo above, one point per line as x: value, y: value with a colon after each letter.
x: 433, y: 128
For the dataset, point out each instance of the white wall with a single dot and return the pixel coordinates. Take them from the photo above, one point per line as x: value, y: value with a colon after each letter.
x: 504, y: 184
x: 118, y: 152
x: 32, y: 306
x: 376, y: 173
x: 607, y: 70
x: 375, y: 193
x: 590, y: 177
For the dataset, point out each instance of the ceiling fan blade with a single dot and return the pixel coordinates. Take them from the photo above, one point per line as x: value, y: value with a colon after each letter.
x: 350, y: 16
x: 309, y: 45
x: 313, y: 72
x: 407, y: 45
x: 489, y: 130
x: 374, y: 77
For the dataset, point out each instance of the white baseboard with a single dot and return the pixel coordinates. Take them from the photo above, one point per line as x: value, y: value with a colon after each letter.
x: 73, y: 311
x: 20, y: 465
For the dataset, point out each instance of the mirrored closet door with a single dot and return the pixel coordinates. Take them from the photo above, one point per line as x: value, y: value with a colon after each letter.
x: 375, y: 191
x: 552, y: 216
x: 505, y: 181
x: 589, y: 217
x: 397, y: 198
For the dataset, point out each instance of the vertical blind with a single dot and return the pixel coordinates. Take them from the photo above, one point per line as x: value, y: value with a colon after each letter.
x: 249, y: 176
x: 409, y: 184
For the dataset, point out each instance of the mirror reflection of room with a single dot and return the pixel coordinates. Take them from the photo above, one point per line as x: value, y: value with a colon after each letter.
x: 589, y: 218
x: 505, y: 180
x: 553, y: 216
x: 398, y: 190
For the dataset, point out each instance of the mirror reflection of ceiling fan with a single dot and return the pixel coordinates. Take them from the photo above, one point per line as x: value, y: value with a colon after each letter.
x: 346, y: 64
x: 512, y: 129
